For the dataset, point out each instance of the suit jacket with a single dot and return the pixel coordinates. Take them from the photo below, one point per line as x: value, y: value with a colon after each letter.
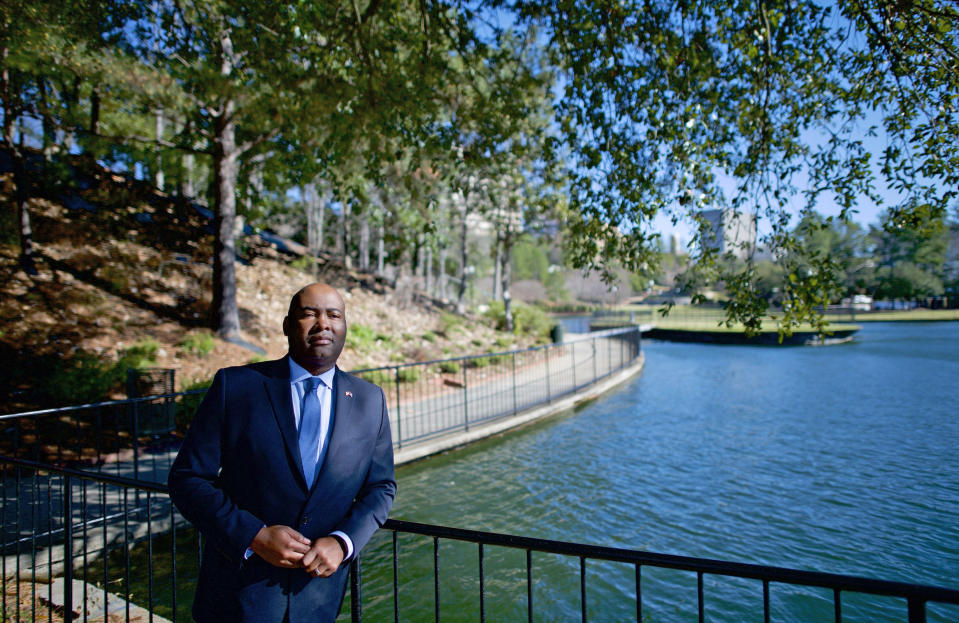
x: 239, y: 469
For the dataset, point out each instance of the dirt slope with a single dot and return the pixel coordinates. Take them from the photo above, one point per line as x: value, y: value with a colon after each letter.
x: 121, y: 264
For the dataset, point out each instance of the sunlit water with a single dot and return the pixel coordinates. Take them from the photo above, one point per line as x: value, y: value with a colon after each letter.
x: 841, y: 459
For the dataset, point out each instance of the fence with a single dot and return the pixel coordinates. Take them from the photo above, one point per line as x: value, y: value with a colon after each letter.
x: 437, y: 397
x: 426, y: 400
x: 112, y: 545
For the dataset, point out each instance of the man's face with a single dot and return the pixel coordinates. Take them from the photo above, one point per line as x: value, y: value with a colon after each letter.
x: 315, y: 328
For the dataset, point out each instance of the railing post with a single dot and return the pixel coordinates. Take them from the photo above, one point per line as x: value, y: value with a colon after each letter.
x: 917, y: 611
x: 572, y: 357
x: 595, y: 372
x: 136, y: 448
x: 356, y: 608
x: 67, y: 545
x: 514, y: 382
x: 549, y: 397
x: 399, y: 420
x: 466, y: 404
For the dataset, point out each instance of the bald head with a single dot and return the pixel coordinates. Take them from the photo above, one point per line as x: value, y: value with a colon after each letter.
x: 315, y: 327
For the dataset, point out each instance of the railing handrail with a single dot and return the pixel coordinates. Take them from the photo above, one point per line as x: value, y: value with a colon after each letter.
x: 120, y: 481
x: 785, y: 575
x: 751, y: 571
x: 104, y: 403
x: 581, y: 338
x: 916, y: 595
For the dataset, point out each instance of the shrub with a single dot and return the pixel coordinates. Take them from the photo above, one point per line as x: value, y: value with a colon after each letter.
x: 141, y: 355
x: 365, y: 338
x: 86, y: 378
x: 187, y: 405
x: 502, y: 342
x: 304, y: 263
x: 449, y: 321
x: 378, y: 377
x: 429, y: 336
x: 409, y: 374
x: 527, y: 320
x: 199, y: 344
x: 449, y: 367
x: 90, y: 378
x: 531, y: 321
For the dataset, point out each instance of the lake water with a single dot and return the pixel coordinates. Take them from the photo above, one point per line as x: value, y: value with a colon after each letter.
x: 840, y: 459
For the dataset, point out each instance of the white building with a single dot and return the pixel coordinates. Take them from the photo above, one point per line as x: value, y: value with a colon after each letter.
x: 731, y: 231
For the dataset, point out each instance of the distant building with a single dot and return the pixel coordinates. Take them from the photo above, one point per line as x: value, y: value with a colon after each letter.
x: 731, y: 232
x: 674, y: 248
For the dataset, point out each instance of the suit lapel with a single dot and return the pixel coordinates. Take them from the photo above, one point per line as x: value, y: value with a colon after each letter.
x: 341, y: 408
x: 278, y: 390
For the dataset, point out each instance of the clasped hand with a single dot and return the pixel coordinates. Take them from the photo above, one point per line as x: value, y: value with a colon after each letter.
x: 284, y: 547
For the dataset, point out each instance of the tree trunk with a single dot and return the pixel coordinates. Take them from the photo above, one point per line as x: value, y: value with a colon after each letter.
x: 461, y: 291
x: 158, y: 178
x: 225, y: 311
x: 498, y: 266
x: 507, y: 273
x: 11, y: 113
x: 345, y: 236
x: 364, y: 244
x: 428, y: 271
x: 380, y: 249
x: 314, y: 207
x: 441, y: 271
x: 187, y: 187
x: 49, y: 131
x: 188, y: 169
x: 95, y: 111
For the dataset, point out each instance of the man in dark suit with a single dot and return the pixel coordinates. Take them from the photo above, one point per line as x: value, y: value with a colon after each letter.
x: 287, y: 471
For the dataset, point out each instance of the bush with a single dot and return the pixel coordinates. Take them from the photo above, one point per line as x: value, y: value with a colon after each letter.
x: 378, y: 377
x: 364, y: 338
x: 89, y: 378
x: 409, y: 374
x: 199, y: 344
x: 449, y: 367
x: 449, y: 321
x: 187, y: 405
x: 141, y: 355
x: 304, y: 263
x: 527, y: 320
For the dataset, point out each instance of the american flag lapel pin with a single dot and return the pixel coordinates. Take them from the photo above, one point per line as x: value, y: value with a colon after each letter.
x: 349, y: 394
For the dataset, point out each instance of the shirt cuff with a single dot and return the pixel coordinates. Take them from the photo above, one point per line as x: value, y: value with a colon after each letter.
x: 346, y: 541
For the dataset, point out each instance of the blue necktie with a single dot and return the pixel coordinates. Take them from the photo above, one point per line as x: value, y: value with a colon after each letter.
x: 311, y: 418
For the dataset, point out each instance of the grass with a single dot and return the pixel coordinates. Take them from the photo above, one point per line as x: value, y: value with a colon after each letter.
x: 912, y: 315
x: 697, y: 318
x: 200, y: 343
x: 768, y: 326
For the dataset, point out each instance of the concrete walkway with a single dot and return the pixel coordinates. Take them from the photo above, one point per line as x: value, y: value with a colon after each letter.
x: 415, y: 451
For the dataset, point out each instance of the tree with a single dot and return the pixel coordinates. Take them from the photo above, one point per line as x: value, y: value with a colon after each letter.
x: 748, y: 104
x: 312, y: 75
x: 910, y: 262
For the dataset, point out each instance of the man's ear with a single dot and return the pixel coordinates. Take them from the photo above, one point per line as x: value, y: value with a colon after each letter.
x: 286, y: 320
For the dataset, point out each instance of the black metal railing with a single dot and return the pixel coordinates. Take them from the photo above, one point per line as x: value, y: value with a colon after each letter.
x: 132, y: 438
x: 432, y: 398
x: 135, y: 438
x: 113, y: 545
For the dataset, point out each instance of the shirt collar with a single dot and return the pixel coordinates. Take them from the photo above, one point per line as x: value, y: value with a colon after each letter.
x: 299, y: 373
